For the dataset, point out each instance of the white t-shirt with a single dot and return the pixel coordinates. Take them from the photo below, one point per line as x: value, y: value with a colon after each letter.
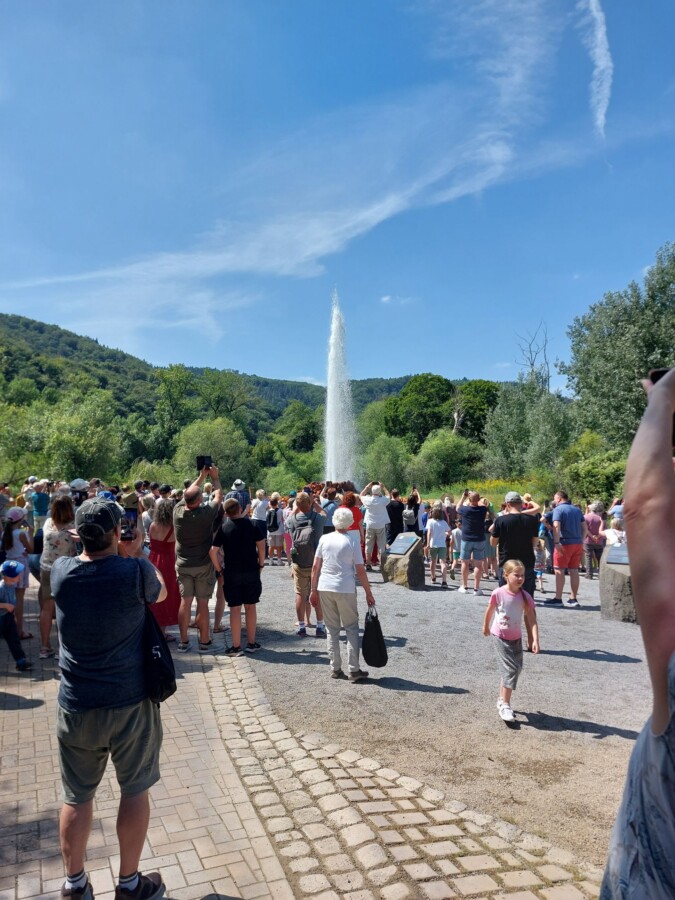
x: 259, y: 509
x: 437, y: 530
x: 376, y: 510
x: 340, y: 554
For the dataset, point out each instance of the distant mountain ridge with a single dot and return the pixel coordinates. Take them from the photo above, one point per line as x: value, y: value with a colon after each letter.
x: 53, y: 358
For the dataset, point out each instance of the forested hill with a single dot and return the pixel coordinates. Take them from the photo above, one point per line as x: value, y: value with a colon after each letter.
x: 35, y: 357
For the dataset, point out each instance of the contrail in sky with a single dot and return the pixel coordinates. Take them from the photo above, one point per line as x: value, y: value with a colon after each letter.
x: 595, y: 39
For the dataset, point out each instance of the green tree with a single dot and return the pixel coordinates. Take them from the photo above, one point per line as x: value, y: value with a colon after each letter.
x: 616, y: 343
x: 82, y: 437
x: 444, y: 458
x: 299, y: 427
x: 221, y: 439
x: 528, y: 429
x: 21, y: 392
x: 370, y: 424
x: 473, y: 401
x: 425, y: 404
x: 386, y: 459
x: 223, y: 392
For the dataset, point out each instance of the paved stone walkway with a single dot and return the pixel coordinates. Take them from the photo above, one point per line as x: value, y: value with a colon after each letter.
x: 247, y: 809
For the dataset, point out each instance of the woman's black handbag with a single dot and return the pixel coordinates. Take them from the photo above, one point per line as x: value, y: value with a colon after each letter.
x: 373, y: 647
x: 160, y: 673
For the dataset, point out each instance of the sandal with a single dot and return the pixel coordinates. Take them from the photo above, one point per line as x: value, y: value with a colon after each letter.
x: 26, y: 635
x: 221, y: 629
x: 170, y: 638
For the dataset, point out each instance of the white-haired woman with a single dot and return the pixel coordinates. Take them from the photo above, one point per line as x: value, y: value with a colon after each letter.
x: 337, y: 565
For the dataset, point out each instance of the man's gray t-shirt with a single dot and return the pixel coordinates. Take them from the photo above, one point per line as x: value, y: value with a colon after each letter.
x: 299, y: 519
x: 194, y: 533
x: 100, y: 614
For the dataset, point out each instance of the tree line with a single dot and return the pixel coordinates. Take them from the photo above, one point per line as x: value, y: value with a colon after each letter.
x: 70, y: 407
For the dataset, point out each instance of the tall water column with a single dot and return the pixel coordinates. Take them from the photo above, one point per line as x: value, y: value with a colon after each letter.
x: 340, y: 431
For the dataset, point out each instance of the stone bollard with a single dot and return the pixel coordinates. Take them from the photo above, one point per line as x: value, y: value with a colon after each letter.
x: 406, y: 570
x: 616, y: 593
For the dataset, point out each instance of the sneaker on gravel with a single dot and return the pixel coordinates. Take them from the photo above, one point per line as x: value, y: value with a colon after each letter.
x: 47, y: 653
x: 552, y: 601
x: 452, y: 574
x: 83, y: 893
x: 149, y: 887
x: 359, y: 675
x: 183, y: 646
x: 24, y: 666
x: 462, y: 590
x: 321, y: 631
x: 301, y: 631
x: 252, y: 648
x: 573, y: 603
x: 234, y: 651
x: 506, y: 712
x: 478, y: 593
x: 338, y: 673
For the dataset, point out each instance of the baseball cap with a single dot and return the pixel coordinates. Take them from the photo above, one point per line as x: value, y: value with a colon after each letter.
x: 513, y: 497
x: 16, y: 514
x: 11, y: 568
x: 97, y: 517
x: 293, y: 494
x: 79, y: 484
x: 106, y: 495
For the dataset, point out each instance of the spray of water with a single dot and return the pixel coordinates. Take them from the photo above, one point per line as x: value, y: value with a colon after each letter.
x: 340, y: 430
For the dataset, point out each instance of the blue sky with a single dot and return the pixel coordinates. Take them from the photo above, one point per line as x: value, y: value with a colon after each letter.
x: 188, y: 181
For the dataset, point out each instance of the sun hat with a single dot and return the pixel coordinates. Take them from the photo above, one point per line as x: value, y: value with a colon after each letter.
x: 11, y: 568
x: 513, y: 497
x: 79, y: 484
x: 238, y: 484
x: 97, y: 517
x: 16, y: 514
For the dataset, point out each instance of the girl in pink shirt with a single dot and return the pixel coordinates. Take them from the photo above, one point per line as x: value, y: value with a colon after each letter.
x: 504, y: 621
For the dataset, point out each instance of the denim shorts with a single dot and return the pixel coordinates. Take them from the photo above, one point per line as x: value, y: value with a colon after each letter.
x: 475, y: 547
x: 131, y: 736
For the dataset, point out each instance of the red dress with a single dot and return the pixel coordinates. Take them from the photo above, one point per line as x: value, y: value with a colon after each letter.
x: 163, y: 556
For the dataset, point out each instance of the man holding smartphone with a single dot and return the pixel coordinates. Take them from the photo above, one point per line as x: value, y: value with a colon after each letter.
x: 193, y: 523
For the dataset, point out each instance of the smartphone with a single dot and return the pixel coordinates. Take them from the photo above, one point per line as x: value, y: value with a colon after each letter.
x: 204, y: 462
x: 654, y: 376
x: 129, y: 523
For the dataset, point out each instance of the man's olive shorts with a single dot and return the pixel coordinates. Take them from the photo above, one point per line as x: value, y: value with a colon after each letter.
x: 131, y: 736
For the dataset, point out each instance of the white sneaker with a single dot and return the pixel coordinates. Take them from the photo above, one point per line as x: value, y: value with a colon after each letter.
x: 462, y: 590
x: 478, y: 593
x: 500, y: 703
x: 506, y: 712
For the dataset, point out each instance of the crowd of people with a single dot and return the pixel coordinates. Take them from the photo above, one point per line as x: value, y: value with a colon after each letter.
x: 100, y: 551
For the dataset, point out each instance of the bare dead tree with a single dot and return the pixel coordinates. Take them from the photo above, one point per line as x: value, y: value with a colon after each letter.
x: 533, y: 348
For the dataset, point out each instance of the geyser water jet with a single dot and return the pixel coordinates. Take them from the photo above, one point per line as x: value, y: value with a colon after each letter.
x: 340, y: 431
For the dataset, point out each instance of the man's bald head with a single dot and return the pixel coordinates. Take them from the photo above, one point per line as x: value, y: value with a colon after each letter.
x: 193, y: 496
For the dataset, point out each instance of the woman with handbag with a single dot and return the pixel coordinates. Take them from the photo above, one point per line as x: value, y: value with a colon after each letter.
x: 337, y: 564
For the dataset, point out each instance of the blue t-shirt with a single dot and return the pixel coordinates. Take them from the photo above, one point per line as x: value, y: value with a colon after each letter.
x: 473, y: 522
x: 100, y: 614
x: 329, y: 507
x: 243, y: 498
x: 7, y: 595
x: 571, y: 519
x: 40, y: 503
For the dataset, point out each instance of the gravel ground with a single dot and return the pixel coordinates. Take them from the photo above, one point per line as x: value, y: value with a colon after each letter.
x: 431, y: 712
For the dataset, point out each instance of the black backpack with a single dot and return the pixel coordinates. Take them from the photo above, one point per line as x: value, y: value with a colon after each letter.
x: 272, y: 519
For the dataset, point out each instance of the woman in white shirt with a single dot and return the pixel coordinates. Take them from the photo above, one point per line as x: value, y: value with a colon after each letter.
x: 337, y: 565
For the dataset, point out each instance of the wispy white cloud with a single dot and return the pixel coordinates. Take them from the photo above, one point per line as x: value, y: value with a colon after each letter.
x: 339, y: 177
x: 386, y: 298
x: 503, y: 365
x: 595, y: 39
x: 395, y: 300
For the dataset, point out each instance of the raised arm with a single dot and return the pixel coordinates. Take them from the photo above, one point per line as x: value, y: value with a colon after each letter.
x: 217, y: 487
x: 649, y: 498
